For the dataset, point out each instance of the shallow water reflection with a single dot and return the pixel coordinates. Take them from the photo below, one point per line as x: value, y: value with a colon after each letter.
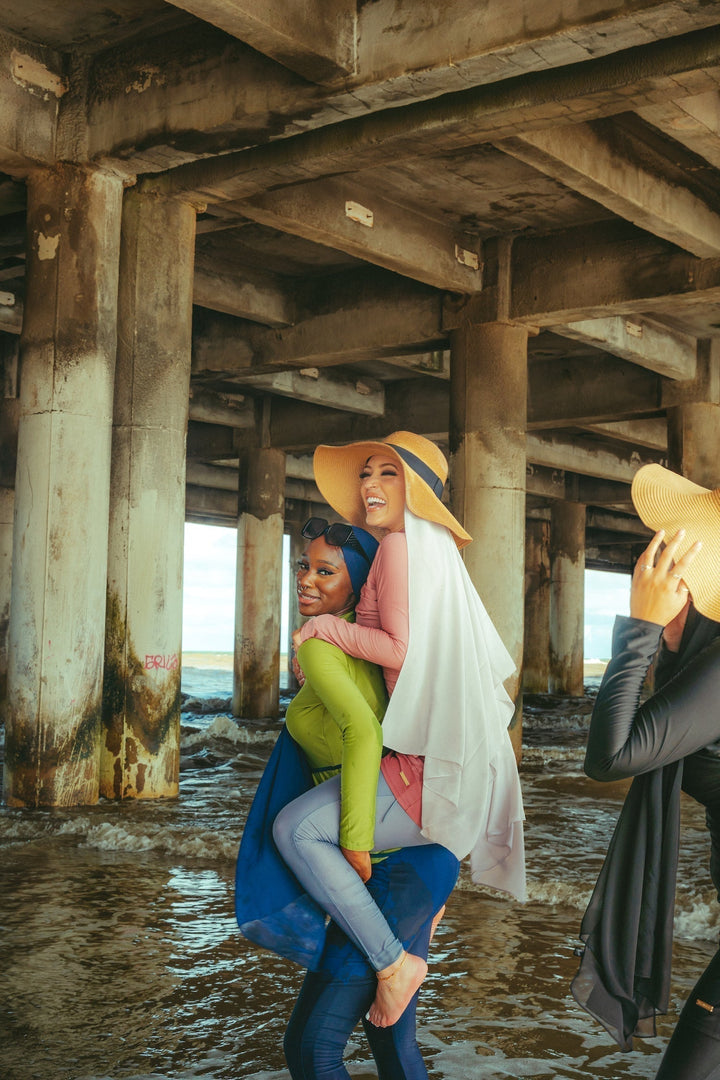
x: 122, y: 961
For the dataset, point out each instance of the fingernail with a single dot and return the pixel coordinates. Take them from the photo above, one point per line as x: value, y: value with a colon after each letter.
x: 681, y: 532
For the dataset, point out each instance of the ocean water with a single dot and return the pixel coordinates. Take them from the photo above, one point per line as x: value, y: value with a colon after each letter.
x: 121, y: 959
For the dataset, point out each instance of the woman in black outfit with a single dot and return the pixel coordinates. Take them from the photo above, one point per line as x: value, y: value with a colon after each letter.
x: 670, y: 743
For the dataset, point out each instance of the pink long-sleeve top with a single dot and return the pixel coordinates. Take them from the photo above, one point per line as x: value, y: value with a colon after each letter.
x: 380, y: 634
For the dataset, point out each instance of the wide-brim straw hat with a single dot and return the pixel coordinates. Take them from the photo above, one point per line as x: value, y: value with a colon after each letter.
x: 337, y: 474
x: 665, y: 500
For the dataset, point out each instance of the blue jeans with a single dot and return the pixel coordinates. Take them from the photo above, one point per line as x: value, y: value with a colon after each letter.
x: 307, y: 833
x: 410, y: 887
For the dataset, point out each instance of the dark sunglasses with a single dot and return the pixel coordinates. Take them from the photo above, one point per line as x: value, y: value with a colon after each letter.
x: 337, y: 534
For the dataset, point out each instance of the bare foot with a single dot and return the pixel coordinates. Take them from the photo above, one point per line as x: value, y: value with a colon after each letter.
x: 435, y: 922
x: 396, y: 987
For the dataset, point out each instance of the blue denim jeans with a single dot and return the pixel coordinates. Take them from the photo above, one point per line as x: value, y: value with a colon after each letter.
x: 307, y: 831
x: 409, y: 887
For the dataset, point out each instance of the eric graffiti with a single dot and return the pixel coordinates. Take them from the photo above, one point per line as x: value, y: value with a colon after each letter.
x: 166, y: 663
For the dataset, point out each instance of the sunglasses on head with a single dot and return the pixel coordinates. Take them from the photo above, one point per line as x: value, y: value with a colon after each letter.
x: 337, y: 534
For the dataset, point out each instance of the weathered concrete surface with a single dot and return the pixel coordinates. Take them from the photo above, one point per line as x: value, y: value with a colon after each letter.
x: 57, y: 618
x: 536, y: 656
x: 315, y: 38
x: 31, y: 86
x: 488, y: 406
x: 7, y: 505
x: 141, y: 692
x: 567, y: 598
x: 600, y: 162
x: 258, y: 584
x: 694, y: 442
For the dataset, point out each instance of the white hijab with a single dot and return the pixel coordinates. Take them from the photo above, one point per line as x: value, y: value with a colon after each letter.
x: 450, y: 706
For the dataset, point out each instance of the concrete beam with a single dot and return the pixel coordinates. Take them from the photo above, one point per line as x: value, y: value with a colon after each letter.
x: 249, y: 295
x: 31, y: 86
x: 11, y: 313
x: 567, y: 392
x: 349, y: 217
x: 652, y: 434
x: 363, y: 396
x: 315, y: 38
x: 362, y: 316
x: 642, y: 341
x: 510, y: 106
x: 588, y: 459
x: 214, y: 408
x: 692, y: 121
x: 593, y: 272
x: 548, y: 484
x: 597, y: 162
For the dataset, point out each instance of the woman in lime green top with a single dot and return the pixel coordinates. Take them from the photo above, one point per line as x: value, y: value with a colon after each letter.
x: 335, y: 717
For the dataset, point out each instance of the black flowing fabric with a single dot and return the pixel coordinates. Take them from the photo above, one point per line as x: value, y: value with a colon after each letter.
x: 624, y: 976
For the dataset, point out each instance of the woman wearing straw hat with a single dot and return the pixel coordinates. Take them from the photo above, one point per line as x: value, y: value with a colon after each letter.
x: 669, y: 743
x: 449, y: 775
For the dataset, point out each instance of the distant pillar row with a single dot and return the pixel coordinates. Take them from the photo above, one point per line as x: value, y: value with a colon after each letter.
x: 488, y: 418
x: 567, y: 598
x: 9, y: 416
x: 536, y: 661
x: 259, y: 584
x: 55, y: 650
x: 143, y: 644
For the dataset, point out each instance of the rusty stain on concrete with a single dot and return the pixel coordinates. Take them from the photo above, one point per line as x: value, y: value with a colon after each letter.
x: 141, y: 724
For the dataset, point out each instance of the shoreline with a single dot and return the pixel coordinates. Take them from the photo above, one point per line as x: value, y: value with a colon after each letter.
x: 223, y: 661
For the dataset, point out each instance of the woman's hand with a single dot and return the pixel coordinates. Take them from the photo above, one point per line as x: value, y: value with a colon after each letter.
x: 296, y: 640
x: 360, y: 862
x: 659, y: 593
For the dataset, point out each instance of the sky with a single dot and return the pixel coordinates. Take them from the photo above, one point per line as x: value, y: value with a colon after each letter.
x: 209, y: 595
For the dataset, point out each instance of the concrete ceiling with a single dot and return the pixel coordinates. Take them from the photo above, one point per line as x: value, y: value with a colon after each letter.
x: 556, y: 164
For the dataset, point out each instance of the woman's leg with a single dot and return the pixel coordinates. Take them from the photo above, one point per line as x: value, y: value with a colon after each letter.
x: 322, y: 1021
x: 307, y: 835
x: 693, y: 1052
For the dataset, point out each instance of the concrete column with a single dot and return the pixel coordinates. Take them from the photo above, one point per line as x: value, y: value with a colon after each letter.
x: 143, y: 646
x: 9, y: 417
x: 295, y: 620
x: 567, y: 598
x: 55, y: 652
x: 694, y: 442
x: 259, y: 584
x: 488, y: 415
x: 536, y: 652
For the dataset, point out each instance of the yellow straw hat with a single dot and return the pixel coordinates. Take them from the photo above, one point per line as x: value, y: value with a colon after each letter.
x: 665, y: 500
x: 337, y: 474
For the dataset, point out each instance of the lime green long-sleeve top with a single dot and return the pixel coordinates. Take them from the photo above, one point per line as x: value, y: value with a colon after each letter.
x: 335, y: 718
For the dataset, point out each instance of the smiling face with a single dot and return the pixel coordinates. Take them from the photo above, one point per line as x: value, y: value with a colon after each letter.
x: 382, y: 486
x: 323, y: 581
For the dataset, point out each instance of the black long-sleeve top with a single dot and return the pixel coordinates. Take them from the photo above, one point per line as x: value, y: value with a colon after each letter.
x: 681, y: 720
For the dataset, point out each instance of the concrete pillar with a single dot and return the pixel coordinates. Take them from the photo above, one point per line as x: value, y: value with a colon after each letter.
x: 55, y: 652
x: 536, y: 652
x: 9, y: 417
x: 567, y: 598
x: 295, y: 619
x: 259, y: 584
x: 143, y: 646
x: 488, y: 415
x: 694, y: 442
